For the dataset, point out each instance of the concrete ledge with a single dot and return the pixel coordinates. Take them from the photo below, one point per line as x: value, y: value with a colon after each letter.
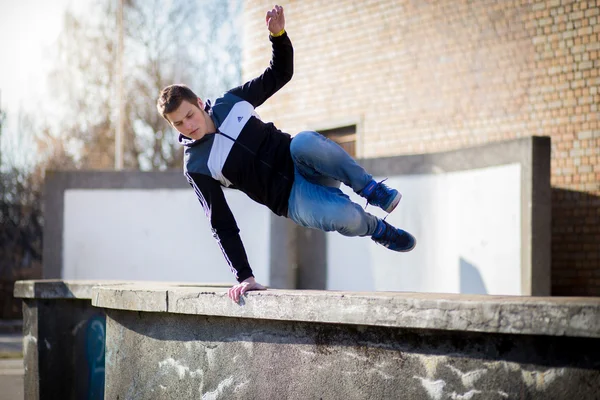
x: 57, y: 289
x: 77, y: 289
x: 555, y: 316
x: 303, y: 344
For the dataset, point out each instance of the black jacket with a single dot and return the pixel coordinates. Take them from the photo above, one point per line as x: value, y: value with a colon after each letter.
x: 245, y: 153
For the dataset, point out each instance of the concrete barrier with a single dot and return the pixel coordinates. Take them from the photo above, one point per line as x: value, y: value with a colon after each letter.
x: 63, y: 340
x: 170, y: 341
x: 493, y: 202
x: 186, y: 341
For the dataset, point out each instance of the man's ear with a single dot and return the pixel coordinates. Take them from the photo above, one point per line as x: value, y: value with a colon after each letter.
x: 200, y: 103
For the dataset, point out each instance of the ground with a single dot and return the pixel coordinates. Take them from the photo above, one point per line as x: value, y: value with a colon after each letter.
x: 11, y: 366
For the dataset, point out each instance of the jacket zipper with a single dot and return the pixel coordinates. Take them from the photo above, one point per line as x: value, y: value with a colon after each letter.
x: 253, y: 153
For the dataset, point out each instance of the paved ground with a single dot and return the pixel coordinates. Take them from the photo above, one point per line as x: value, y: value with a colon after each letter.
x: 11, y: 366
x: 11, y: 379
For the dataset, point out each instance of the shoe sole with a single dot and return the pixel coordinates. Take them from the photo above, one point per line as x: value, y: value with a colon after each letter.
x: 401, y: 251
x: 413, y: 246
x: 394, y: 204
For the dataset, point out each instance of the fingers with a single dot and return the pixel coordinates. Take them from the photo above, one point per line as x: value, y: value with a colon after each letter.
x: 275, y: 13
x: 237, y: 291
x: 230, y: 293
x: 243, y: 290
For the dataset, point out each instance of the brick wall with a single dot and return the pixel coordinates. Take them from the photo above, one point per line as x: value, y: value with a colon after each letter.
x: 424, y: 76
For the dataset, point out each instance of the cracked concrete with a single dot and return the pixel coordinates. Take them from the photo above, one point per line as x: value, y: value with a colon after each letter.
x: 495, y: 314
x: 170, y: 340
x: 196, y: 356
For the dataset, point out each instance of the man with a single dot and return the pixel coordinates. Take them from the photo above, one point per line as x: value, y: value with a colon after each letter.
x: 226, y: 144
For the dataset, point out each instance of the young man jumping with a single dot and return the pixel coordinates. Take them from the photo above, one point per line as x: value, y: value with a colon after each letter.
x: 226, y: 144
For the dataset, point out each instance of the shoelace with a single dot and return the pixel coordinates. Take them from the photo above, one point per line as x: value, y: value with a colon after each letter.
x: 387, y: 236
x: 386, y: 229
x: 374, y: 190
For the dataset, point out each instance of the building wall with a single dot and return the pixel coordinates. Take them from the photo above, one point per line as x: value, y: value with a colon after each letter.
x: 155, y: 234
x: 455, y: 252
x: 133, y: 225
x: 425, y: 76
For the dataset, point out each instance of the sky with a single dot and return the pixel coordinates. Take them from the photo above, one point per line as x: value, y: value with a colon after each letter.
x: 29, y: 33
x: 28, y: 30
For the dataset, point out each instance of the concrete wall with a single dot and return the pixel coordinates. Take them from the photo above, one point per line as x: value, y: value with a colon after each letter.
x: 331, y: 345
x: 163, y: 233
x: 481, y: 217
x: 141, y: 226
x: 468, y: 226
x: 186, y: 357
x: 63, y: 341
x: 166, y: 340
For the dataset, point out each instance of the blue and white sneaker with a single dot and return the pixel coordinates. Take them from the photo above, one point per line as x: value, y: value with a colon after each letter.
x: 380, y: 195
x: 393, y: 238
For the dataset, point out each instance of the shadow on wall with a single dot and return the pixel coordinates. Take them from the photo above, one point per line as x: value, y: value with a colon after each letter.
x: 575, y: 243
x: 312, y: 259
x: 471, y: 281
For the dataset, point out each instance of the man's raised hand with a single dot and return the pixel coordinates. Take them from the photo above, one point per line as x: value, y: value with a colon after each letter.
x: 275, y: 20
x: 246, y: 285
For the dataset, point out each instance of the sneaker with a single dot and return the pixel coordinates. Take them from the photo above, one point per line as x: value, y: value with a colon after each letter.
x: 380, y: 195
x: 393, y: 238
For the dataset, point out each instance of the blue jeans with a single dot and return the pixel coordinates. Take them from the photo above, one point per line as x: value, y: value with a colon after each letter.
x: 316, y: 200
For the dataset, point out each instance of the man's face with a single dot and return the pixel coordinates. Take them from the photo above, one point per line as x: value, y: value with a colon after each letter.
x: 191, y: 120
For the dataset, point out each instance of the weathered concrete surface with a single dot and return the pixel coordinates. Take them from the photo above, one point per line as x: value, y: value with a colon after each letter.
x: 57, y: 289
x: 171, y: 340
x: 176, y: 356
x: 82, y: 289
x: 569, y: 316
x: 63, y: 339
x: 63, y: 349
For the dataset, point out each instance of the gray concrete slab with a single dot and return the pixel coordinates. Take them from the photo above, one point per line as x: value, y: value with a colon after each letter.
x: 58, y: 288
x: 562, y: 316
x: 81, y: 289
x: 153, y: 355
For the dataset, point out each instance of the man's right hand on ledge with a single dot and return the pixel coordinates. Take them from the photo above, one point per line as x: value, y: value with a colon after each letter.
x: 246, y: 285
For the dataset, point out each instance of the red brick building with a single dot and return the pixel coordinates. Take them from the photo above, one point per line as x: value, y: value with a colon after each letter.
x: 405, y: 77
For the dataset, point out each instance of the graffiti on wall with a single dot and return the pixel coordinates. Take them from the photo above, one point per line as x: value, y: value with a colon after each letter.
x: 95, y: 339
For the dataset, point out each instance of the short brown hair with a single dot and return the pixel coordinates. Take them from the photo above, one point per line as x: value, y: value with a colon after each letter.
x: 171, y: 98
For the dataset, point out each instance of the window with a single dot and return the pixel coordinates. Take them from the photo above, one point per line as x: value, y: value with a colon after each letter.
x: 345, y: 136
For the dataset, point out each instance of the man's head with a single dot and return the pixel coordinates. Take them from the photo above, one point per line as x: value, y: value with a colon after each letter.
x: 184, y: 111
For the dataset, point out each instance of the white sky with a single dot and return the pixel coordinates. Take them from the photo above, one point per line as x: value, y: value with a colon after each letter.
x: 28, y: 30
